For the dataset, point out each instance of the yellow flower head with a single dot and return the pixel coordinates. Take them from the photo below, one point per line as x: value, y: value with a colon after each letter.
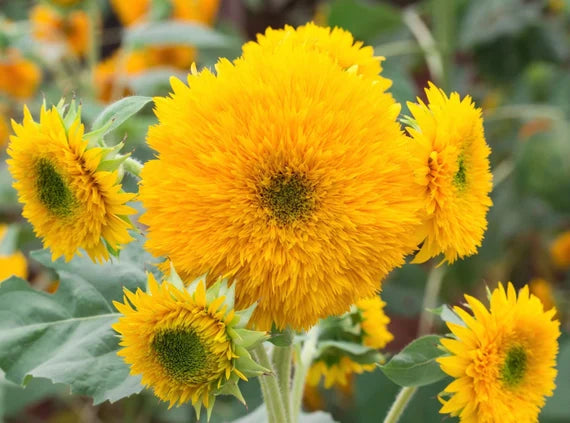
x: 374, y: 322
x: 132, y: 12
x: 13, y: 264
x: 542, y: 289
x: 338, y: 43
x: 19, y: 77
x: 560, y: 250
x: 286, y: 174
x: 188, y: 344
x: 69, y: 199
x: 71, y: 29
x: 448, y: 138
x: 336, y: 373
x: 503, y: 359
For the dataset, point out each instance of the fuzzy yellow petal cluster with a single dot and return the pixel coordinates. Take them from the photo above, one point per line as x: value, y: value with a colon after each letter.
x: 560, y: 250
x: 71, y: 28
x: 448, y: 137
x: 503, y: 360
x: 69, y: 201
x: 339, y: 373
x: 287, y: 174
x: 19, y: 77
x: 374, y: 322
x: 178, y: 341
x: 338, y: 43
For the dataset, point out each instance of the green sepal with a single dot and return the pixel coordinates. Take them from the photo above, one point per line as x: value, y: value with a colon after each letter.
x: 245, y: 364
x: 410, y: 122
x: 281, y: 338
x: 192, y: 286
x: 231, y: 388
x: 247, y: 338
x: 175, y: 279
x: 242, y: 317
x: 95, y: 138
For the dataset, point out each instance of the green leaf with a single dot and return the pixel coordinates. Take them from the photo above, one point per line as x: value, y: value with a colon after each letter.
x: 259, y: 415
x: 365, y: 20
x: 498, y: 17
x: 448, y: 315
x: 67, y: 337
x: 176, y: 32
x: 415, y: 365
x: 348, y: 347
x: 281, y: 338
x: 117, y: 113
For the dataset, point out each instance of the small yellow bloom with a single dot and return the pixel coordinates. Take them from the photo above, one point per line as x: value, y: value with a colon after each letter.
x: 296, y: 181
x: 448, y: 137
x: 133, y: 12
x: 503, y: 360
x: 19, y: 77
x: 187, y: 344
x: 13, y: 265
x: 560, y: 250
x: 336, y: 373
x: 71, y: 29
x: 374, y: 322
x: 542, y: 289
x: 70, y: 202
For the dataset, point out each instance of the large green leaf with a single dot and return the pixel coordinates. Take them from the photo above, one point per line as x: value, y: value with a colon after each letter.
x: 67, y: 336
x: 117, y: 113
x: 415, y: 365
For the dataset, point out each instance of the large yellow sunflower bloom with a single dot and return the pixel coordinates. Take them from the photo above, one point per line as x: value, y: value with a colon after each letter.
x: 186, y: 345
x: 70, y: 202
x: 503, y: 360
x: 374, y: 322
x: 286, y: 174
x: 448, y: 137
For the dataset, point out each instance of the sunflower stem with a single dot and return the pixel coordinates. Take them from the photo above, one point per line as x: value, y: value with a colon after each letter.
x: 270, y: 389
x: 282, y: 361
x: 431, y: 294
x: 400, y: 404
x: 301, y: 370
x: 133, y: 166
x: 94, y: 32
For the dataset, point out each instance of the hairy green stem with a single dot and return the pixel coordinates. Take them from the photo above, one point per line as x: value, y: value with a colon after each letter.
x: 431, y: 294
x: 305, y: 358
x: 270, y: 389
x: 400, y: 404
x: 282, y: 361
x: 133, y: 166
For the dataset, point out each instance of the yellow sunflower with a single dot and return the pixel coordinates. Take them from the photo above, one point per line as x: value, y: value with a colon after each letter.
x: 560, y: 250
x: 374, y: 322
x: 448, y: 138
x: 71, y: 202
x: 503, y: 360
x: 295, y: 183
x: 188, y: 344
x: 71, y: 28
x: 19, y: 77
x: 337, y: 373
x: 337, y: 43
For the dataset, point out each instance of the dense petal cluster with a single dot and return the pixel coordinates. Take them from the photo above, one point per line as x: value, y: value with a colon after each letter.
x: 295, y: 183
x: 503, y: 359
x: 374, y: 322
x: 69, y: 200
x: 448, y: 137
x: 182, y: 342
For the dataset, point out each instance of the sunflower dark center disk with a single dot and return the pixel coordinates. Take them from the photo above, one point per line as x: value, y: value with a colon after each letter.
x: 460, y: 177
x: 182, y: 354
x: 514, y: 368
x: 52, y: 190
x: 288, y: 197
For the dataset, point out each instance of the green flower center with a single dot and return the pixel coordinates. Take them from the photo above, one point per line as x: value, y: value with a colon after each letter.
x: 460, y: 177
x: 182, y: 354
x: 288, y: 197
x: 53, y: 192
x: 514, y: 367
